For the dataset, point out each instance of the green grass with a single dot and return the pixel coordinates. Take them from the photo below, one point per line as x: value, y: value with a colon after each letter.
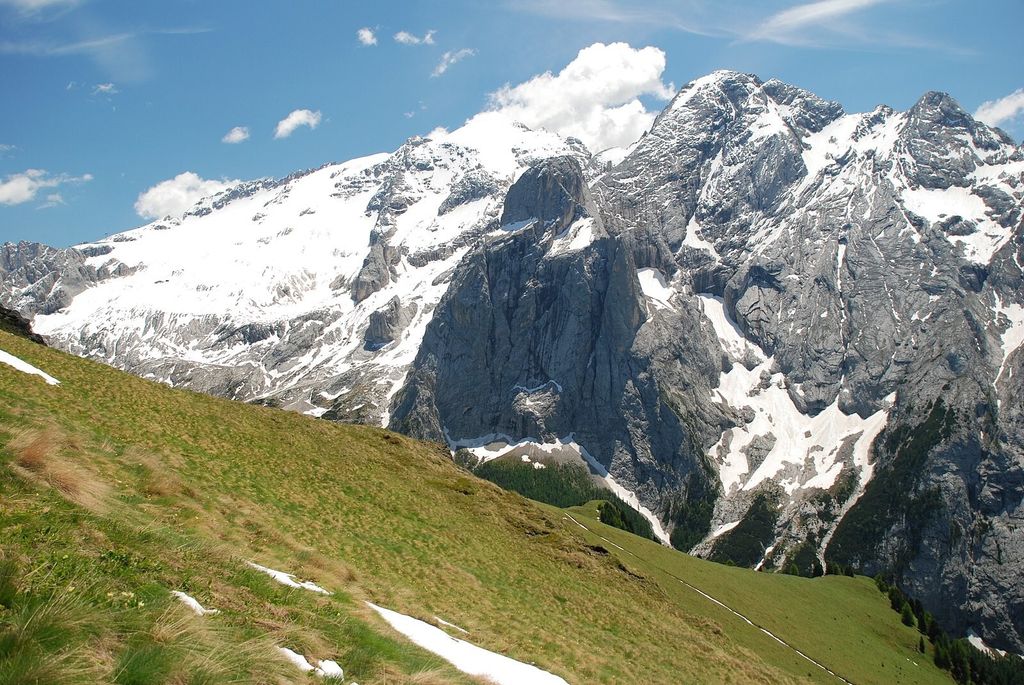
x: 563, y: 485
x: 843, y: 623
x: 123, y: 489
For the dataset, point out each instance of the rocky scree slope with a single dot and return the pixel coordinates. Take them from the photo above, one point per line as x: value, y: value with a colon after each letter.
x: 793, y: 333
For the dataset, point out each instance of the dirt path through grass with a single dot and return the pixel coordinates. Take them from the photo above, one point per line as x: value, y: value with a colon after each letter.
x: 719, y: 603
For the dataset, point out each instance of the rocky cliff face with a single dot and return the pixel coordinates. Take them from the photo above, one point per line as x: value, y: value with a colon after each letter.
x: 546, y: 333
x: 790, y: 334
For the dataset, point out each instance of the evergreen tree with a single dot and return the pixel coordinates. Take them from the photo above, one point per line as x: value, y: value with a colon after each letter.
x: 942, y: 656
x: 924, y: 622
x: 896, y: 598
x: 907, y: 615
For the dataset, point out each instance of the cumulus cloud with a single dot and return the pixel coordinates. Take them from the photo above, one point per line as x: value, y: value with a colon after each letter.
x: 299, y: 117
x: 177, y: 195
x: 16, y: 189
x: 406, y: 38
x: 236, y: 135
x: 366, y: 36
x: 594, y: 98
x: 451, y: 57
x: 1002, y: 111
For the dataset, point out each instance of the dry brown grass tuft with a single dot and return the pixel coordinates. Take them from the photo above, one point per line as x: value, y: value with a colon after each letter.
x: 389, y: 675
x: 33, y: 449
x: 431, y: 677
x: 175, y: 624
x: 40, y: 455
x: 158, y: 477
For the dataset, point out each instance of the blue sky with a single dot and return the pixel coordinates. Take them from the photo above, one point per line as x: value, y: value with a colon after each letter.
x: 105, y: 99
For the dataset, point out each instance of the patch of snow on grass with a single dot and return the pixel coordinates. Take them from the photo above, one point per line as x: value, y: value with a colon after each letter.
x: 289, y: 579
x: 329, y: 669
x: 192, y: 604
x: 465, y: 656
x: 25, y: 367
x: 297, y: 659
x: 324, y: 669
x: 450, y: 625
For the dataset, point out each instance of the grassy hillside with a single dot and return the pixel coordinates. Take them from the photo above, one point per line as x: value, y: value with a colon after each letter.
x: 115, y: 490
x: 843, y: 623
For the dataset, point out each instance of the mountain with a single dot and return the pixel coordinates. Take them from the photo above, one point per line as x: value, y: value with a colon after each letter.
x: 787, y: 334
x: 310, y: 292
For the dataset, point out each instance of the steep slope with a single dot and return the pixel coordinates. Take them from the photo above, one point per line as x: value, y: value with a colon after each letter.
x: 116, y: 490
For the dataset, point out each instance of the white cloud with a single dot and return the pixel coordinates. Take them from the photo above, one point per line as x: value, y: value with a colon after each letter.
x: 451, y: 57
x: 594, y: 98
x: 299, y: 117
x: 16, y: 189
x: 105, y: 89
x: 366, y: 36
x: 177, y: 195
x: 5, y: 149
x: 1002, y: 111
x: 236, y: 135
x: 52, y: 200
x: 795, y: 25
x: 406, y: 38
